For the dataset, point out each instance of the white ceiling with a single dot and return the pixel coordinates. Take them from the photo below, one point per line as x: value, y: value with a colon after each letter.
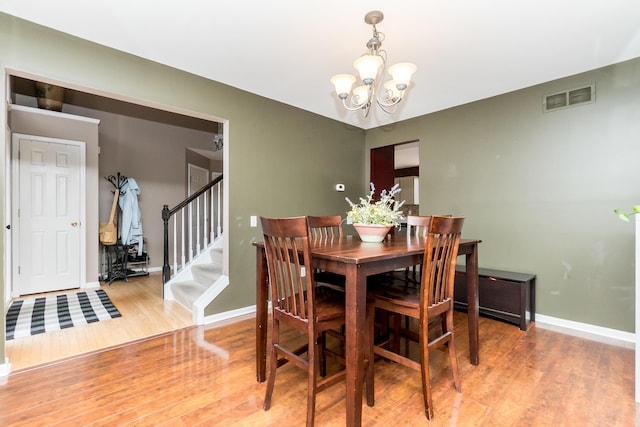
x: 287, y: 50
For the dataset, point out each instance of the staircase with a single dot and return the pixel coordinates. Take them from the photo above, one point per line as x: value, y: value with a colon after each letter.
x: 195, y: 276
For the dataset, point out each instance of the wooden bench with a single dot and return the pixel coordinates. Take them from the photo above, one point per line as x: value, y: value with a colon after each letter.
x: 503, y: 295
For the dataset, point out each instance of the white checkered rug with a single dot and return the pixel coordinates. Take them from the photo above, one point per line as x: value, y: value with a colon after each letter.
x: 43, y: 314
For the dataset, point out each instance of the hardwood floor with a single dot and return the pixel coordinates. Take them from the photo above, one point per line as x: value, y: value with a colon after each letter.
x: 144, y: 314
x: 206, y: 376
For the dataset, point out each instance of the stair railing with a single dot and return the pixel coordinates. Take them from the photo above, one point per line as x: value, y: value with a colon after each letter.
x: 197, y: 221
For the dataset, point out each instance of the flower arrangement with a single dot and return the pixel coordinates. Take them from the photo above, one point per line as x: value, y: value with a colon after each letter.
x: 385, y: 211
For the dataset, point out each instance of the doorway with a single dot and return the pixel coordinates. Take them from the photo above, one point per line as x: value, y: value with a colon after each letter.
x: 47, y: 218
x: 398, y: 164
x: 83, y: 101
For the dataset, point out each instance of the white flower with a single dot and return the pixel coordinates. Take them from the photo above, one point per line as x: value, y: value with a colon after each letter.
x: 385, y: 211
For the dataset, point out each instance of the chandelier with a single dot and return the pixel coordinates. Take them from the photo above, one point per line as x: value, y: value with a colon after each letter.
x: 369, y: 66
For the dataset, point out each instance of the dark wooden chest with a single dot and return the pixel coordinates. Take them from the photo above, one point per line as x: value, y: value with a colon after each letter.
x: 502, y: 295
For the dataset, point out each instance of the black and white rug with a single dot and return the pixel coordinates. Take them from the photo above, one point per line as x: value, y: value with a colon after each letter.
x: 37, y: 315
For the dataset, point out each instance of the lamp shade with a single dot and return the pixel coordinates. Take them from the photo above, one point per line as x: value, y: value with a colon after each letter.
x: 361, y: 95
x: 367, y: 66
x: 343, y: 83
x: 402, y: 73
x: 391, y: 91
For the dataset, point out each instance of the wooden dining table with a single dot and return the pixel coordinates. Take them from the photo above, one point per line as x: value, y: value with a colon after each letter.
x: 357, y: 260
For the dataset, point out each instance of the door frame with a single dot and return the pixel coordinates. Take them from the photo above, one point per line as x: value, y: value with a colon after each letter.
x: 13, y: 184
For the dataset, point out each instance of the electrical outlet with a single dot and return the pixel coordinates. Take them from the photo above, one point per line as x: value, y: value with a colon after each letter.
x: 253, y: 220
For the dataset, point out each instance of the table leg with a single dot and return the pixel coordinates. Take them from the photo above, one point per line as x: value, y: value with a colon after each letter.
x: 262, y: 290
x: 356, y: 301
x: 473, y: 306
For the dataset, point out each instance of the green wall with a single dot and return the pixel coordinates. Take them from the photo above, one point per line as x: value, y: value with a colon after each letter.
x: 282, y: 160
x: 539, y: 188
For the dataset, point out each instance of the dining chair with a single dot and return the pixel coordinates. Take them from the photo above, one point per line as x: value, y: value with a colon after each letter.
x: 327, y: 227
x: 296, y: 304
x: 431, y: 302
x: 417, y: 226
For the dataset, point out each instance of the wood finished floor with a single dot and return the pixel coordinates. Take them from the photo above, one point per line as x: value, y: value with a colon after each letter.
x: 144, y: 314
x: 205, y: 376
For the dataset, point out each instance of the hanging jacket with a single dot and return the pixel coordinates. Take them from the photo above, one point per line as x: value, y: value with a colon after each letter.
x: 131, y: 224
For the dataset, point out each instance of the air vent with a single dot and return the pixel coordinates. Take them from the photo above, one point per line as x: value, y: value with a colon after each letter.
x: 569, y: 98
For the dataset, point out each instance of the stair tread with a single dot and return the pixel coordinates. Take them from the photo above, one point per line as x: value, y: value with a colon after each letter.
x: 187, y: 292
x: 189, y: 284
x: 206, y: 273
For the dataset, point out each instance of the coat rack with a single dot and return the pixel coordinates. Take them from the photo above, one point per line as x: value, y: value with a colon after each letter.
x: 118, y: 182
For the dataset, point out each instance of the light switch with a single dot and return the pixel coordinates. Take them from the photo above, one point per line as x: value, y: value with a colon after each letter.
x: 254, y: 221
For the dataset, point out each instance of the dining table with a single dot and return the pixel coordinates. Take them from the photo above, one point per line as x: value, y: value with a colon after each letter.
x: 357, y: 260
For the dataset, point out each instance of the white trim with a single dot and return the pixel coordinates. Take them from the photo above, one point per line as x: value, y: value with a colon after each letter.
x: 5, y: 368
x: 90, y: 285
x: 585, y: 330
x: 39, y: 111
x: 231, y: 315
x: 212, y: 292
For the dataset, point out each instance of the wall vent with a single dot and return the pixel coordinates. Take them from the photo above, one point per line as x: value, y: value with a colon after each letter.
x: 569, y: 98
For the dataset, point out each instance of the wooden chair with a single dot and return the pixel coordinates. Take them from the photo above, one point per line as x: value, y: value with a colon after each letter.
x: 430, y: 302
x: 328, y: 227
x: 296, y: 304
x: 416, y: 226
x: 325, y: 227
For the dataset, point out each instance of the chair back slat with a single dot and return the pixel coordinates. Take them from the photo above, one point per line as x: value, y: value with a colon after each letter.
x: 287, y: 251
x: 325, y: 227
x: 439, y: 261
x: 418, y: 225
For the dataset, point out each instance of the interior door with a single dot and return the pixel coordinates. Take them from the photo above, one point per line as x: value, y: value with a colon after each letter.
x: 198, y: 178
x: 46, y: 215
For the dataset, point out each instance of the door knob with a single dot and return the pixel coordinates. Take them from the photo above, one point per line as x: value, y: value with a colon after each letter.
x: 74, y: 224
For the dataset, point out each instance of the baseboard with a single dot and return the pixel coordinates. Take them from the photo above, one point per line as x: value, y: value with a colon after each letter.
x: 212, y: 292
x: 585, y: 330
x: 230, y: 316
x: 90, y: 285
x: 569, y: 327
x: 5, y: 369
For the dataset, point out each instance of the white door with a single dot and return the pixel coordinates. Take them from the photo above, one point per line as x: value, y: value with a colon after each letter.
x: 198, y: 178
x: 46, y: 220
